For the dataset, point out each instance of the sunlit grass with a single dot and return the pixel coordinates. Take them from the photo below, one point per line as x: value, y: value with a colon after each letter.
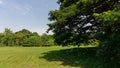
x: 27, y: 57
x: 47, y: 57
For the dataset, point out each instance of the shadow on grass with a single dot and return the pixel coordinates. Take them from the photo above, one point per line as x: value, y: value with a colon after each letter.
x: 75, y: 57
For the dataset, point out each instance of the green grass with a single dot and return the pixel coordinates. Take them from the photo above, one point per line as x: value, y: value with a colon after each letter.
x: 27, y: 57
x: 48, y: 57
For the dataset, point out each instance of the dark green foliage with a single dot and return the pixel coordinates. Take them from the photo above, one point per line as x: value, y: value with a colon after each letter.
x: 110, y: 51
x: 77, y: 21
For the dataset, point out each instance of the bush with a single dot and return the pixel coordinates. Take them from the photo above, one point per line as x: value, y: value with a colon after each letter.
x: 32, y: 41
x: 110, y: 52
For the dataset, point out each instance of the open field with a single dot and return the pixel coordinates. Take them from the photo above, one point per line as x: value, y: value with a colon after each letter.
x: 44, y: 57
x: 27, y: 57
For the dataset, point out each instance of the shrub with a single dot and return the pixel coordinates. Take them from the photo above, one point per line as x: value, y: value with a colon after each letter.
x: 110, y: 52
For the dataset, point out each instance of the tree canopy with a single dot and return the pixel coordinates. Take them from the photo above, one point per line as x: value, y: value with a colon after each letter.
x: 25, y: 38
x: 77, y: 21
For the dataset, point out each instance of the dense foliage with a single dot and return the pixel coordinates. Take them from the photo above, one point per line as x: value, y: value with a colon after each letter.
x: 25, y: 38
x: 79, y: 21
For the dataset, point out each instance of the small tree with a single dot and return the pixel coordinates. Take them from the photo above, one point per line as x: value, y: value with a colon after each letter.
x: 19, y: 38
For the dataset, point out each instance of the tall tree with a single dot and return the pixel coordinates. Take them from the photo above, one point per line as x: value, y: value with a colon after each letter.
x: 77, y: 21
x: 9, y: 38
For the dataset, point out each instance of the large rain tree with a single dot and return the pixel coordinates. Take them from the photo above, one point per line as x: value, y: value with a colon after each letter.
x: 77, y: 21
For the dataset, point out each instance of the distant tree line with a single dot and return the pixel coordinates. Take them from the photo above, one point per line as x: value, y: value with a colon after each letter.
x: 25, y: 38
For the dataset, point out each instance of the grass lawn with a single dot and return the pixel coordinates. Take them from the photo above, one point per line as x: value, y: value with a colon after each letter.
x: 27, y: 57
x: 46, y: 57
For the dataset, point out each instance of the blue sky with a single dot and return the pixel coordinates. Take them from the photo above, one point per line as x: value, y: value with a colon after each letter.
x: 28, y: 14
